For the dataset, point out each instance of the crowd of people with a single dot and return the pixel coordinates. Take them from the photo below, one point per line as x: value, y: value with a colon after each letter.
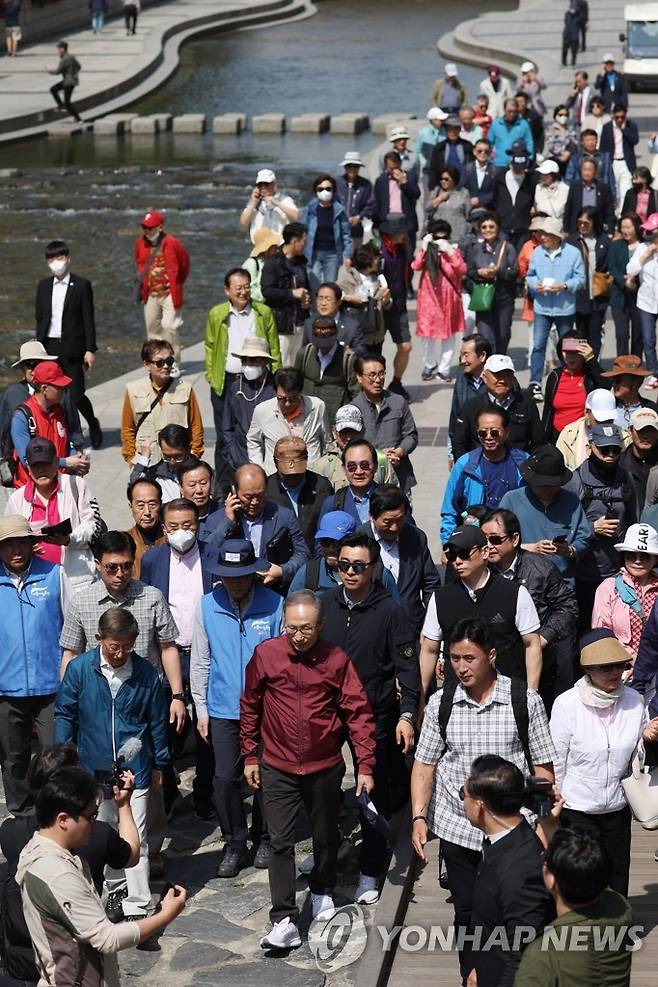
x: 281, y: 602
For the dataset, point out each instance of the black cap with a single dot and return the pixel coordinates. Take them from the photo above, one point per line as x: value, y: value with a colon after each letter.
x: 40, y: 450
x: 468, y: 536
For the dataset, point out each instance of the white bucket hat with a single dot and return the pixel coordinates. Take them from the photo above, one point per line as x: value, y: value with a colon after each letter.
x: 32, y: 350
x: 639, y: 538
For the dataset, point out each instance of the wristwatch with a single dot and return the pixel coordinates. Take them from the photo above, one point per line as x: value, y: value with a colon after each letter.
x: 178, y: 695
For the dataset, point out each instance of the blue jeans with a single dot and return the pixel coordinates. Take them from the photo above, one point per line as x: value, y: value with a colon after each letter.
x: 324, y: 266
x: 540, y: 330
x: 97, y: 21
x: 647, y: 322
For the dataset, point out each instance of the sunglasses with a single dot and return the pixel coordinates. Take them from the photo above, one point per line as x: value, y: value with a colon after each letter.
x: 615, y: 666
x: 463, y: 795
x: 452, y: 553
x: 378, y: 376
x: 358, y: 567
x: 168, y: 362
x: 493, y: 432
x: 113, y: 567
x: 496, y: 539
x: 364, y: 466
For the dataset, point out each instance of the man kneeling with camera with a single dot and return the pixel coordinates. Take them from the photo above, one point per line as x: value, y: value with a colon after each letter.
x: 111, y: 705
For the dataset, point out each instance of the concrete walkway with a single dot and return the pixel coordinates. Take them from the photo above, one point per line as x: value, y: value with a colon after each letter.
x: 118, y: 70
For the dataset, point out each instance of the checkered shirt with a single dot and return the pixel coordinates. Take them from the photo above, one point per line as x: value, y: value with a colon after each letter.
x: 474, y: 730
x: 147, y: 605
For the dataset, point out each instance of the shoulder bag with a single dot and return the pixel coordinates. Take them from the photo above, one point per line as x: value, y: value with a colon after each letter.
x: 483, y: 292
x: 641, y: 790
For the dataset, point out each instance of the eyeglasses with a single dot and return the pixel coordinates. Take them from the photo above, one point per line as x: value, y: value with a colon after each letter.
x: 358, y: 567
x: 445, y: 178
x: 378, y: 376
x: 305, y: 630
x: 496, y: 539
x: 288, y: 398
x: 174, y: 457
x: 615, y: 666
x: 493, y: 432
x: 364, y: 466
x: 168, y: 362
x: 90, y: 816
x: 111, y: 568
x: 452, y: 553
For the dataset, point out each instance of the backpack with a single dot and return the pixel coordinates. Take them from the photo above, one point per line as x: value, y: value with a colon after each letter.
x: 16, y: 951
x: 519, y: 708
x: 8, y: 462
x: 310, y: 349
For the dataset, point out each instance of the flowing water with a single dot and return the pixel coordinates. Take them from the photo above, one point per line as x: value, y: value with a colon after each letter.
x: 374, y: 55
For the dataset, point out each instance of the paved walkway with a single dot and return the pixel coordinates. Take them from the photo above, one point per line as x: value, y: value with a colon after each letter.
x: 118, y: 70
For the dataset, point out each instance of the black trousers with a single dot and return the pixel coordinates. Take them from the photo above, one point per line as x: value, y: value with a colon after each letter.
x: 18, y: 714
x: 496, y: 324
x: 625, y: 320
x: 130, y: 17
x: 583, y: 38
x: 613, y: 830
x: 55, y: 91
x: 283, y: 795
x: 569, y: 45
x: 388, y: 768
x: 223, y: 471
x: 73, y: 367
x: 229, y: 768
x: 461, y: 867
x: 585, y: 593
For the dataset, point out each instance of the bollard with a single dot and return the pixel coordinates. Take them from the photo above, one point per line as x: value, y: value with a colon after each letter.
x: 229, y: 123
x: 349, y: 123
x: 189, y: 123
x: 268, y: 123
x: 310, y: 123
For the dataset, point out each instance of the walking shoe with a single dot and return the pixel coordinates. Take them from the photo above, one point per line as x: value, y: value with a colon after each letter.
x: 262, y: 858
x: 367, y: 890
x: 344, y: 850
x: 322, y: 906
x: 535, y: 391
x: 114, y: 905
x: 232, y: 863
x: 428, y: 373
x: 282, y: 935
x: 651, y: 382
x: 156, y: 865
x: 396, y: 388
x: 444, y: 378
x: 96, y: 434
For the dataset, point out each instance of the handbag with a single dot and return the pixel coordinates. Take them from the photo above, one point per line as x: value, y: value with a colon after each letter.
x: 280, y: 548
x: 641, y: 790
x: 482, y: 295
x: 601, y: 282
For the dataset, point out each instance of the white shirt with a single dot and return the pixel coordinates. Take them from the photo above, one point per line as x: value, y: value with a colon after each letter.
x: 324, y: 359
x: 513, y: 183
x: 480, y: 173
x: 60, y: 287
x: 116, y: 676
x: 390, y: 553
x: 526, y: 618
x: 240, y: 326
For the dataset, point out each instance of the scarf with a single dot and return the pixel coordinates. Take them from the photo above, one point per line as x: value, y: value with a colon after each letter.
x: 589, y: 695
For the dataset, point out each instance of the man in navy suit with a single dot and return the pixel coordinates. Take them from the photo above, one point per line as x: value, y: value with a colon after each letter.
x: 396, y: 191
x: 619, y: 138
x: 177, y: 569
x: 195, y: 479
x: 248, y: 514
x: 359, y: 458
x: 479, y: 175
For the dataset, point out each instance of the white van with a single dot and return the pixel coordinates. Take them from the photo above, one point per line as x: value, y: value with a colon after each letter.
x: 640, y: 44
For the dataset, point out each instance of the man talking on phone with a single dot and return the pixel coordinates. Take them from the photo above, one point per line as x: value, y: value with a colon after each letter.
x: 362, y: 619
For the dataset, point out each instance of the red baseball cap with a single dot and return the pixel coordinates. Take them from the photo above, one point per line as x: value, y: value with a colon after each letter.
x: 152, y: 218
x: 50, y: 373
x: 494, y: 71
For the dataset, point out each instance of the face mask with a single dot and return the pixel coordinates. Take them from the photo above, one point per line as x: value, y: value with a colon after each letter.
x: 252, y: 373
x: 325, y: 195
x: 561, y: 118
x: 181, y: 540
x: 58, y: 266
x: 152, y: 237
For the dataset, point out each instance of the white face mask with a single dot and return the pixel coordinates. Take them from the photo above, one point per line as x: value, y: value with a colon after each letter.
x: 58, y: 267
x: 152, y: 237
x: 252, y: 373
x: 561, y: 118
x: 181, y: 540
x: 325, y: 195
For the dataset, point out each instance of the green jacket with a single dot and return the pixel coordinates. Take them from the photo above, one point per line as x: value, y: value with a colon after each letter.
x: 550, y: 962
x: 216, y: 341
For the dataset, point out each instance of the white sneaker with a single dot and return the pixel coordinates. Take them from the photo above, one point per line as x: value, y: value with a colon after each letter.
x: 282, y: 935
x: 308, y: 863
x: 367, y: 890
x: 322, y: 906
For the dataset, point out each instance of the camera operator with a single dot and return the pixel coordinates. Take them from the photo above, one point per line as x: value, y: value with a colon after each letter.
x: 105, y: 847
x: 509, y: 892
x: 73, y: 940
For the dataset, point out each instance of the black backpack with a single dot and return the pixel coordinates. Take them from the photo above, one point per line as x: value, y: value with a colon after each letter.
x: 16, y: 951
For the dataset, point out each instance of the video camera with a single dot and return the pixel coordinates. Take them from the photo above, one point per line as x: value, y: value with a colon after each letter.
x: 109, y: 780
x: 538, y: 794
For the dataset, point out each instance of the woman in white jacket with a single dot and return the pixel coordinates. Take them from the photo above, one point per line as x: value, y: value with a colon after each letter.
x: 551, y: 193
x: 50, y: 497
x: 596, y: 728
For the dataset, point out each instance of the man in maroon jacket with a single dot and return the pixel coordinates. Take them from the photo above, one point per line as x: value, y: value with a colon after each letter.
x: 163, y: 265
x: 299, y: 694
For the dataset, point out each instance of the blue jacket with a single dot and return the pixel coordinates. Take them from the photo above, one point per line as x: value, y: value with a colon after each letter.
x: 466, y: 487
x: 502, y: 136
x: 342, y: 235
x: 86, y: 715
x: 232, y: 644
x: 274, y: 519
x: 426, y: 140
x: 564, y: 516
x: 155, y: 570
x: 646, y: 663
x: 566, y: 267
x: 30, y: 656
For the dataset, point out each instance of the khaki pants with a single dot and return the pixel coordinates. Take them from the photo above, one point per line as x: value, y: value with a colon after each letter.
x: 290, y: 345
x: 163, y: 321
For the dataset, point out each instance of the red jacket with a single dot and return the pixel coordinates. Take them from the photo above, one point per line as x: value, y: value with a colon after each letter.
x: 177, y: 263
x: 298, y: 705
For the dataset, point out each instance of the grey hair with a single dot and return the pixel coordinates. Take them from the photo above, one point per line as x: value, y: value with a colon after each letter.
x: 306, y: 597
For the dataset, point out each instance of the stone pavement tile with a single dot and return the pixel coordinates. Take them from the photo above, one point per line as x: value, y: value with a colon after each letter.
x: 195, y: 954
x: 207, y: 924
x: 273, y: 971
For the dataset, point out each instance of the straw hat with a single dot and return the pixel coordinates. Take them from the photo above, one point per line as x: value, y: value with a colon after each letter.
x: 264, y: 239
x: 15, y: 527
x: 254, y: 346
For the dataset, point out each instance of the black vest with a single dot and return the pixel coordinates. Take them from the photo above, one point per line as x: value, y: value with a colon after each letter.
x: 496, y: 606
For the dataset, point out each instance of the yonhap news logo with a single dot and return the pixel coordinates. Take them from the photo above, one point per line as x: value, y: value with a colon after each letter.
x: 340, y: 940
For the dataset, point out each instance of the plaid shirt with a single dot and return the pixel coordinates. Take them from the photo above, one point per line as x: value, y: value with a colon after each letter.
x: 474, y: 730
x: 147, y: 605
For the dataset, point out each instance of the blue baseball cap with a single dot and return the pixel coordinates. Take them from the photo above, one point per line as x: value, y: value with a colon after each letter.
x: 336, y: 525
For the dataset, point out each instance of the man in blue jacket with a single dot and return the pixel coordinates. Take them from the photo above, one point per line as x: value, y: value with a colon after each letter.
x: 484, y: 475
x: 30, y: 656
x: 229, y: 622
x: 108, y: 696
x: 506, y: 130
